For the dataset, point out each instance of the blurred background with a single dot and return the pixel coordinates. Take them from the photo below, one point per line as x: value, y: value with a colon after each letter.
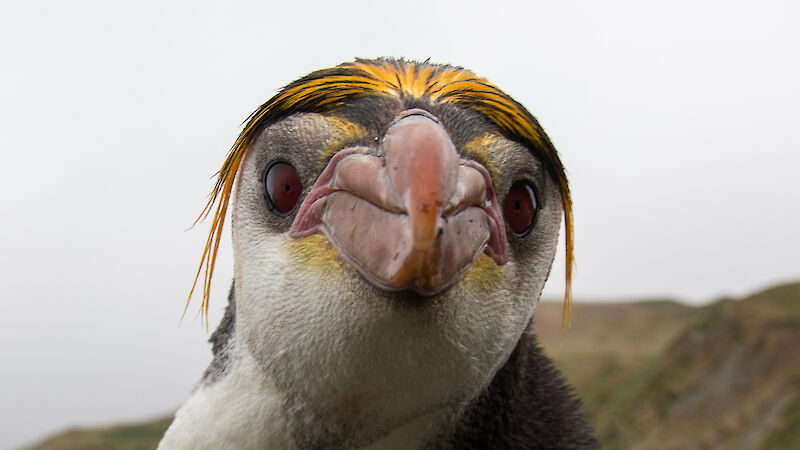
x: 677, y: 122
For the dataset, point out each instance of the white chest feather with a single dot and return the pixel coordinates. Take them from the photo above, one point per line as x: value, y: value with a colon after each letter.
x: 355, y: 364
x: 245, y: 410
x: 242, y: 410
x: 331, y: 365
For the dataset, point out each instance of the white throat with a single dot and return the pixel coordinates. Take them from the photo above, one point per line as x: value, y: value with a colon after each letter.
x: 241, y: 410
x: 244, y: 409
x: 351, y: 365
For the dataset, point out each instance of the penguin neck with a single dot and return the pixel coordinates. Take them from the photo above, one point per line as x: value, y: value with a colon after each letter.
x: 239, y: 407
x: 244, y: 408
x: 257, y: 397
x: 351, y: 364
x: 333, y: 416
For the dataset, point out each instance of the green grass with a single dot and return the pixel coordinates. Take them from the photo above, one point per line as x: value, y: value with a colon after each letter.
x: 787, y: 435
x: 141, y: 436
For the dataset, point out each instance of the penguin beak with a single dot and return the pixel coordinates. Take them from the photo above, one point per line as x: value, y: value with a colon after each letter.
x: 423, y: 168
x: 415, y: 217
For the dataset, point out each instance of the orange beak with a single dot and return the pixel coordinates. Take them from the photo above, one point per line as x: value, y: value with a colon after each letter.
x: 422, y: 164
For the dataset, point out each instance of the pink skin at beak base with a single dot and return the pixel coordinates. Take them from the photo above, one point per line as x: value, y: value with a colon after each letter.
x: 415, y: 218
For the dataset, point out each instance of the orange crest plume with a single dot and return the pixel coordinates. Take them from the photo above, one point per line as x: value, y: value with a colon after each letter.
x: 326, y: 89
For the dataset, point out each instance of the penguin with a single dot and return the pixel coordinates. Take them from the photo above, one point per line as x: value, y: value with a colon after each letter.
x: 393, y: 223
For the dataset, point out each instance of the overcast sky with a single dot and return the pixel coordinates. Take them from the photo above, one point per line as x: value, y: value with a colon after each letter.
x: 677, y: 121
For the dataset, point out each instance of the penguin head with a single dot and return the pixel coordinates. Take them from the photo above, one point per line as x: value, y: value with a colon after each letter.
x: 393, y: 225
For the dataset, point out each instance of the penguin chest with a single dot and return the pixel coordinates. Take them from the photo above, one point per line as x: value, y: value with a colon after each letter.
x: 241, y: 409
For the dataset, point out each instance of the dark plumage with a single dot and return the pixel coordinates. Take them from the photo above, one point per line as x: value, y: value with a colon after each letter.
x: 528, y: 405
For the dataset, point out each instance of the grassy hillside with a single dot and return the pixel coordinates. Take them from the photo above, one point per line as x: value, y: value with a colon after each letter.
x: 655, y: 374
x: 141, y: 436
x: 723, y: 376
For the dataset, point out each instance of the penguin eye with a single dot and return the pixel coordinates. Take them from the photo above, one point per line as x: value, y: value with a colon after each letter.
x: 520, y: 207
x: 283, y: 187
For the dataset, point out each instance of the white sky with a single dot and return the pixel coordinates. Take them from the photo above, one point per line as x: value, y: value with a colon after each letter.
x: 677, y: 122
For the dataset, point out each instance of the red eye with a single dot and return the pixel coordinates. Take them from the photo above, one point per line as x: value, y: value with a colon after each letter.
x: 520, y: 207
x: 283, y: 187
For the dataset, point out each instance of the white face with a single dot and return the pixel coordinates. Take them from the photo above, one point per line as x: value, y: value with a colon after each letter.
x: 348, y: 353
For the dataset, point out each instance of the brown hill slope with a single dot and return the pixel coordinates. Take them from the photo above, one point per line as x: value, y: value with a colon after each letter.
x: 140, y: 436
x: 729, y: 378
x: 652, y: 375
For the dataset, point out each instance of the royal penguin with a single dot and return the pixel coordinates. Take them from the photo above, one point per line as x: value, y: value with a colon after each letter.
x: 394, y: 223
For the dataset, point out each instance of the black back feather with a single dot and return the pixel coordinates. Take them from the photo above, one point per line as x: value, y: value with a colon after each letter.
x: 528, y: 405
